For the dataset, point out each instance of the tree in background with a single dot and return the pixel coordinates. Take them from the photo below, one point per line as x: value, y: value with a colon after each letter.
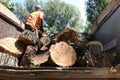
x: 8, y: 4
x: 58, y: 14
x: 93, y: 10
x: 23, y: 10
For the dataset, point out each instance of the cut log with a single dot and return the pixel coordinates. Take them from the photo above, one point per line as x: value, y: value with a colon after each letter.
x: 28, y: 37
x: 63, y: 54
x: 12, y: 46
x: 45, y: 40
x: 96, y: 55
x: 95, y: 47
x: 29, y: 53
x: 40, y: 58
x: 67, y: 35
x: 8, y: 60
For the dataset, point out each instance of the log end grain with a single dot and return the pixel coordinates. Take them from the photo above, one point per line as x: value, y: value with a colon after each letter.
x: 12, y: 46
x: 41, y: 58
x: 63, y: 54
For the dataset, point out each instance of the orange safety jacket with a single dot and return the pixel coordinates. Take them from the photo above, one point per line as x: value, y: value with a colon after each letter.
x: 35, y: 19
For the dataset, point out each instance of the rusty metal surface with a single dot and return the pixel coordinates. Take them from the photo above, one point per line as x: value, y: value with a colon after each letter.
x: 7, y: 29
x: 10, y: 16
x: 108, y: 30
x: 58, y: 73
x: 105, y: 13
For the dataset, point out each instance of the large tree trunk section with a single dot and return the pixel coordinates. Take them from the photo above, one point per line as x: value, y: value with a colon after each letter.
x: 28, y: 37
x: 41, y: 58
x: 67, y: 35
x: 12, y: 46
x: 29, y: 53
x: 63, y: 54
x: 8, y: 60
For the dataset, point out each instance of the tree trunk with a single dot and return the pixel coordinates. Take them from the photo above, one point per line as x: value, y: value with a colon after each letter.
x: 12, y: 46
x: 29, y: 53
x: 67, y: 35
x: 63, y: 54
x: 8, y: 60
x: 28, y: 37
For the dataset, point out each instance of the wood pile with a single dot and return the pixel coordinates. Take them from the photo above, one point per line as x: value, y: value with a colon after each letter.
x: 61, y: 53
x: 69, y: 49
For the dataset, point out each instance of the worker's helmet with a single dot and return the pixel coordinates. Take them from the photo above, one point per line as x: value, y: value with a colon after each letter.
x: 38, y: 7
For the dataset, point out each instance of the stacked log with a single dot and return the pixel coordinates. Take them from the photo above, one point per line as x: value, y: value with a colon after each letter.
x: 8, y: 60
x: 40, y: 58
x: 67, y: 35
x: 28, y: 37
x: 97, y: 56
x: 63, y: 54
x: 12, y: 46
x: 69, y: 49
x: 29, y: 53
x: 60, y: 53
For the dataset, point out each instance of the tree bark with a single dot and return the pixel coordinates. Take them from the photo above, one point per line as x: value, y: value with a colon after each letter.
x: 8, y: 60
x: 28, y: 37
x: 29, y: 53
x: 67, y: 35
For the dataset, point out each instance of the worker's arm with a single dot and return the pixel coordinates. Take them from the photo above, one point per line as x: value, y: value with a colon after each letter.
x: 42, y: 25
x: 42, y: 21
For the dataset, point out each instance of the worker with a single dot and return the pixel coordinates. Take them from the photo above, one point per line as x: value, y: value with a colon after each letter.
x: 35, y: 20
x: 35, y: 23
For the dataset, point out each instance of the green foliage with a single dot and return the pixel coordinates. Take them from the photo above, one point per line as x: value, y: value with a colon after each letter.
x: 61, y: 15
x: 58, y: 14
x: 22, y: 11
x: 94, y: 8
x: 8, y: 4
